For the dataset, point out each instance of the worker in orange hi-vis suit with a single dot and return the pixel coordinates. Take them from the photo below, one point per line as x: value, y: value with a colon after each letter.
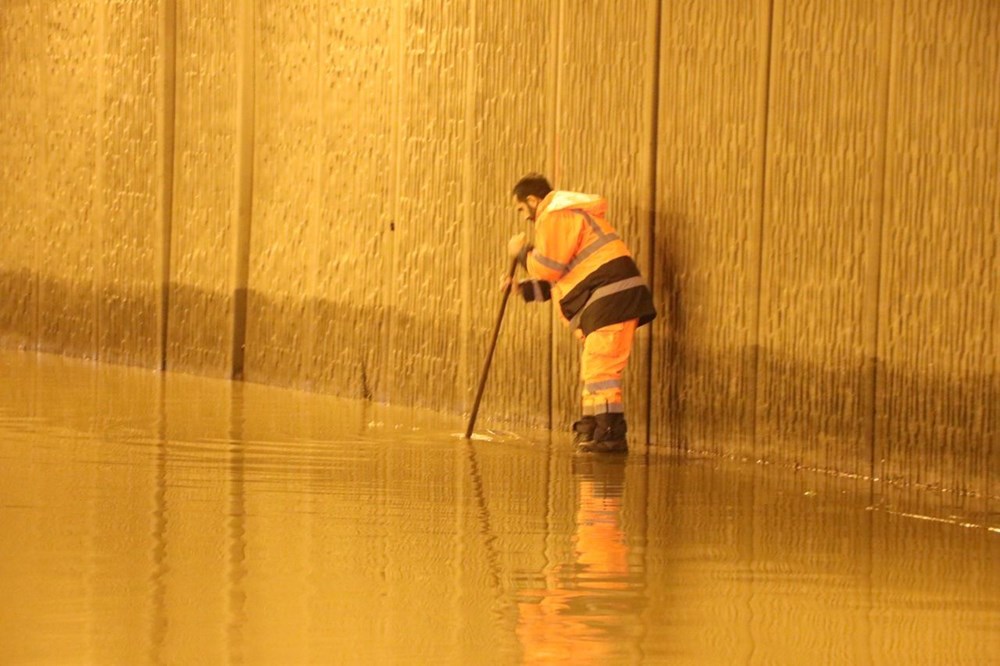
x: 578, y: 259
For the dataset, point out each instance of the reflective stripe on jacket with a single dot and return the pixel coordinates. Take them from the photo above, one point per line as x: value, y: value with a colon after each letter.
x: 594, y: 278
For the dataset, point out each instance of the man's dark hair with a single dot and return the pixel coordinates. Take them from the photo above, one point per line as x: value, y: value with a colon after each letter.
x: 532, y: 185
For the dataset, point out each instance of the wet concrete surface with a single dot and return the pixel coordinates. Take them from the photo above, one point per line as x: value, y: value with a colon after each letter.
x: 169, y: 519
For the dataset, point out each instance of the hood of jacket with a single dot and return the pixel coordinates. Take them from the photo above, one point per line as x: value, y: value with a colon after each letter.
x: 560, y: 200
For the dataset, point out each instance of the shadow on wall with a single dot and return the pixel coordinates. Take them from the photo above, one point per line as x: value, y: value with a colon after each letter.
x: 17, y: 310
x: 920, y: 427
x: 668, y: 298
x: 366, y: 351
x: 927, y: 428
x: 317, y: 344
x: 114, y: 323
x: 701, y: 393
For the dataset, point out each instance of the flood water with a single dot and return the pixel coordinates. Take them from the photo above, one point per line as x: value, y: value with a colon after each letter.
x: 167, y: 519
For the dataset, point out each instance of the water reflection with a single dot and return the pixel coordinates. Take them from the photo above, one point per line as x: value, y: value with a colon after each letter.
x: 149, y: 518
x: 583, y: 608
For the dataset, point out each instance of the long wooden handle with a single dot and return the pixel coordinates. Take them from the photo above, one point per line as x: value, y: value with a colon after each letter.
x: 493, y: 346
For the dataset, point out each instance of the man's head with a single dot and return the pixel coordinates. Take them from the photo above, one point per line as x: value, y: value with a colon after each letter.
x: 528, y: 193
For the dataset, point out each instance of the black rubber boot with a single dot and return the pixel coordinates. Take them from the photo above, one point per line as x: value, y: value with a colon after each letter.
x: 609, y: 435
x: 583, y: 430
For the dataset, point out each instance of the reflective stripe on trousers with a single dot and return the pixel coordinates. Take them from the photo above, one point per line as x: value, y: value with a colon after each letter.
x: 605, y: 354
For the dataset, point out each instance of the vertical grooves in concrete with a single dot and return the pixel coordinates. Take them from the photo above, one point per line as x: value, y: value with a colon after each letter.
x: 555, y: 60
x: 100, y: 204
x: 35, y: 338
x: 168, y: 38
x: 648, y: 272
x: 887, y: 56
x: 756, y: 236
x: 395, y: 188
x: 245, y: 101
x: 465, y: 322
x: 553, y: 125
x: 311, y: 309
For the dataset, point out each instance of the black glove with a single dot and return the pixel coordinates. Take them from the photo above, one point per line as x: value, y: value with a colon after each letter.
x: 535, y: 290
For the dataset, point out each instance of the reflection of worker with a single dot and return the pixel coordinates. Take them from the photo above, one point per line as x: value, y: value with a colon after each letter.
x: 577, y: 617
x: 579, y: 259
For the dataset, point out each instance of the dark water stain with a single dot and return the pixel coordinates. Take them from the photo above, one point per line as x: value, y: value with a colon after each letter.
x: 164, y: 518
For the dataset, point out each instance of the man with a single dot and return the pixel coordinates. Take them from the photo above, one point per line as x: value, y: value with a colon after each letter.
x: 578, y: 259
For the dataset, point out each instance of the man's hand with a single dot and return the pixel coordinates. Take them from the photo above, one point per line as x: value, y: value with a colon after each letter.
x: 515, y: 244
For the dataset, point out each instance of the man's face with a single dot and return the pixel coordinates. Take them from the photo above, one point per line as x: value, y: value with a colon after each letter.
x: 527, y: 208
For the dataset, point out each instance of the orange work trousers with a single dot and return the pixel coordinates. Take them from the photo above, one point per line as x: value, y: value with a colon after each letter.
x: 605, y: 354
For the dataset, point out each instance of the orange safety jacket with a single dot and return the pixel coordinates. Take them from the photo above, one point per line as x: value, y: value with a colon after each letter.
x: 591, y: 272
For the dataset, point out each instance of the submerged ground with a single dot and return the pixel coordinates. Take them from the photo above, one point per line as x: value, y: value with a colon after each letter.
x: 163, y: 518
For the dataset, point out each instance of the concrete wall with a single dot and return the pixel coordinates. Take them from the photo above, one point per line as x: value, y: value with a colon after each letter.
x: 315, y: 195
